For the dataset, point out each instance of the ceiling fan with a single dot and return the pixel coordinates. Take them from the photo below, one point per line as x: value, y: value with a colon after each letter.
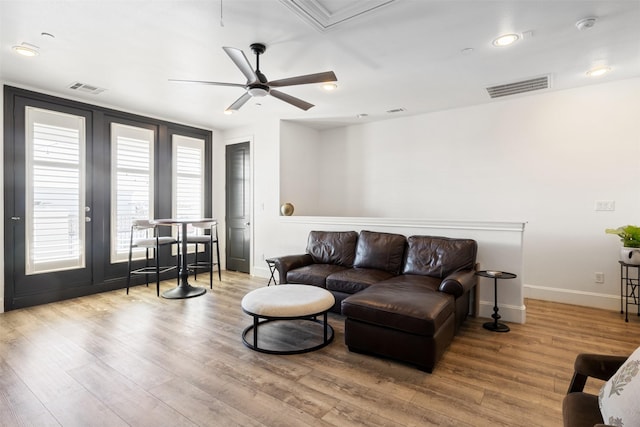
x: 257, y: 84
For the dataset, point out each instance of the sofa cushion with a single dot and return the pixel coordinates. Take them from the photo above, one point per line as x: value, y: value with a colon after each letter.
x: 380, y: 251
x: 403, y: 306
x: 332, y: 247
x: 439, y: 256
x: 354, y: 280
x: 432, y: 283
x: 314, y: 274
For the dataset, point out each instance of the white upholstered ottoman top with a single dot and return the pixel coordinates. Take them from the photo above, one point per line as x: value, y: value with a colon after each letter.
x: 287, y: 301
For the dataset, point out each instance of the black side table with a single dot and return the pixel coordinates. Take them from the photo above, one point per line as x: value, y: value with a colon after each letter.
x: 272, y: 269
x: 629, y: 288
x: 495, y: 275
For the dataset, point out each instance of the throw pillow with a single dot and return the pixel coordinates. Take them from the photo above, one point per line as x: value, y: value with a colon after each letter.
x: 619, y: 397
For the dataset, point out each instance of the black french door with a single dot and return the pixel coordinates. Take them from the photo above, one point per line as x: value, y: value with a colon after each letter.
x: 48, y: 200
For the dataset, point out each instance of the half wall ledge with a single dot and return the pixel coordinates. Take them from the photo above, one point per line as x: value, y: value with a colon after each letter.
x: 500, y: 247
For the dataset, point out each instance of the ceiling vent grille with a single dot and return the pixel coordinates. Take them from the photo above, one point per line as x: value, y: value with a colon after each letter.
x: 523, y: 86
x: 83, y: 87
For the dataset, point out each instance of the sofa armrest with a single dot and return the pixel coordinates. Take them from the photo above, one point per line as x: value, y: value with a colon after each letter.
x: 459, y: 282
x: 596, y: 366
x: 290, y: 262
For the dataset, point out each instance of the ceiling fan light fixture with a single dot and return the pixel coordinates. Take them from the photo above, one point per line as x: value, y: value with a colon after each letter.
x: 329, y: 86
x: 505, y: 40
x: 258, y: 91
x: 228, y: 112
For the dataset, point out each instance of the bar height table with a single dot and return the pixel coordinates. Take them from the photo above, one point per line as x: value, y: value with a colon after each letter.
x: 184, y: 289
x: 495, y: 275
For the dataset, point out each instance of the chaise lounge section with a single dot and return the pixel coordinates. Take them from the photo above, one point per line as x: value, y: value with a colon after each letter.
x: 402, y: 298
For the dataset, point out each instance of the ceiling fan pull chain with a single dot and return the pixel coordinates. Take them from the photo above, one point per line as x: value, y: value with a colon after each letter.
x: 221, y: 20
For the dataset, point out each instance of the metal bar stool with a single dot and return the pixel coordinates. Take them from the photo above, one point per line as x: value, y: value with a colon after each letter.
x: 208, y: 241
x: 145, y: 235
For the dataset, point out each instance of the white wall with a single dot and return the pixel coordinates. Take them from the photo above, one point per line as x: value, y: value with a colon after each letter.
x: 541, y: 158
x: 544, y: 159
x: 299, y: 157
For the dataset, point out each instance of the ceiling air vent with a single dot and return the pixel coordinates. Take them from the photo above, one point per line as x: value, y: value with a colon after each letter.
x: 83, y: 87
x: 523, y: 86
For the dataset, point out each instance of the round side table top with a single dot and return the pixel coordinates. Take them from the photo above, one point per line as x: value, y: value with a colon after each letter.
x: 494, y: 274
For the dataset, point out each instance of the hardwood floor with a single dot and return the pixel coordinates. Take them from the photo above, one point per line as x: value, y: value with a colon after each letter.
x: 138, y: 360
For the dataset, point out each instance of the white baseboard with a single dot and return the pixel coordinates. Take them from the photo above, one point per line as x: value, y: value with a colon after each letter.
x: 508, y: 313
x: 568, y: 296
x: 262, y: 272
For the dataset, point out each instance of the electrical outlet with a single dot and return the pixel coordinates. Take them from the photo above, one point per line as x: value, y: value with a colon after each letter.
x: 599, y: 277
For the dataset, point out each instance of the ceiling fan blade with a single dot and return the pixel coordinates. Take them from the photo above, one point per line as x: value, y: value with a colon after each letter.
x: 327, y: 76
x: 239, y: 102
x: 203, y: 82
x: 238, y: 57
x: 291, y: 100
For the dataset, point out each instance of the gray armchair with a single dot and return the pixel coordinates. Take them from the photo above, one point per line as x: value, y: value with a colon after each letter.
x: 580, y: 409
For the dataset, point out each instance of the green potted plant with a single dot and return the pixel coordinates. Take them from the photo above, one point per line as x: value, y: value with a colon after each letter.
x: 630, y: 238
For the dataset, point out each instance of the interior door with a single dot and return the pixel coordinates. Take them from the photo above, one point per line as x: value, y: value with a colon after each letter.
x: 48, y: 201
x: 238, y: 210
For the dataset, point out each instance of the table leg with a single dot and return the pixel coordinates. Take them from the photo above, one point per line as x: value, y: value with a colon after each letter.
x: 622, y: 279
x: 495, y: 326
x: 184, y: 289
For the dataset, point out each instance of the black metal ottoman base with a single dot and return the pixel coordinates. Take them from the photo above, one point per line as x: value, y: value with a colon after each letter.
x: 327, y: 332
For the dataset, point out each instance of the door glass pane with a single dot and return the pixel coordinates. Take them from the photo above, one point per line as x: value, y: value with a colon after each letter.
x: 131, y: 185
x: 188, y: 179
x: 55, y: 191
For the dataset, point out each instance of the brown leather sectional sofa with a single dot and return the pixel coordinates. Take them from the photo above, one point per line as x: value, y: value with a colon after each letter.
x: 402, y: 298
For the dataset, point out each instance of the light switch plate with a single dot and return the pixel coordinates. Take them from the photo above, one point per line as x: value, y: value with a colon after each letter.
x: 605, y: 205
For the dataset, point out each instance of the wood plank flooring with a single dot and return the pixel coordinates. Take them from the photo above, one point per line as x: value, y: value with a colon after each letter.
x: 138, y: 360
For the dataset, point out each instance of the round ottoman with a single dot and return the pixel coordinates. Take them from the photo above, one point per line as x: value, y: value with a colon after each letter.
x: 284, y: 303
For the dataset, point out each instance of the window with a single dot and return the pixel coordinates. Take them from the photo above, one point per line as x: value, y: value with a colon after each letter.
x: 188, y: 178
x: 132, y: 179
x: 54, y: 191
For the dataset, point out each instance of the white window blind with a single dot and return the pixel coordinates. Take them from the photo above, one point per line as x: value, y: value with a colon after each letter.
x: 54, y: 191
x: 131, y: 184
x: 188, y: 178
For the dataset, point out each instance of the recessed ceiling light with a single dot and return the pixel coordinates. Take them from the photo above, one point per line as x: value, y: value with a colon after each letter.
x: 26, y: 49
x: 506, y: 40
x: 329, y: 86
x: 598, y: 71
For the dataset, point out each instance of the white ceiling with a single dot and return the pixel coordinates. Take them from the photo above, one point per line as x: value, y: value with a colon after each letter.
x: 405, y: 54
